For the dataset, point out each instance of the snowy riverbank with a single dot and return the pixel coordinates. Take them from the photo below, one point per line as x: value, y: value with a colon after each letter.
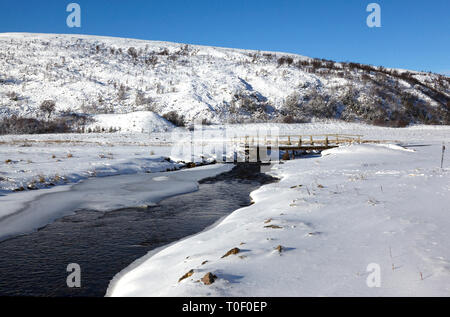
x: 41, y: 161
x: 316, y: 231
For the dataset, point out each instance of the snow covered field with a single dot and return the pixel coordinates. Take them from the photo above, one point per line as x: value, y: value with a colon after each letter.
x: 312, y: 234
x: 34, y: 165
x: 413, y: 133
x: 317, y: 231
x: 40, y: 161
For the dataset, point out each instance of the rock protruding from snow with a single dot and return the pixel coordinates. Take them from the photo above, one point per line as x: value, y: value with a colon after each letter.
x: 209, y: 278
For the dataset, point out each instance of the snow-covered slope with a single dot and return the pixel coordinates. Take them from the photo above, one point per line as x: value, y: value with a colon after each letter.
x: 141, y: 121
x: 96, y: 75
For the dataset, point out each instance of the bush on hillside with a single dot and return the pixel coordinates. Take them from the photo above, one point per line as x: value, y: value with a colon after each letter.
x: 48, y: 107
x: 20, y: 125
x: 175, y: 118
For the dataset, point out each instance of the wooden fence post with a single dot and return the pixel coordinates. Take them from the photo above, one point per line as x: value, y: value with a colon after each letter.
x: 443, y: 153
x: 247, y: 152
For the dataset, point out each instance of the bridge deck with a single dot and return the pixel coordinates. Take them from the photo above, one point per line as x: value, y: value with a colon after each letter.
x: 292, y: 144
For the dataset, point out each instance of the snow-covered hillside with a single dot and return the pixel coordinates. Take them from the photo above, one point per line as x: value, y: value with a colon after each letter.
x: 100, y: 75
x: 141, y: 121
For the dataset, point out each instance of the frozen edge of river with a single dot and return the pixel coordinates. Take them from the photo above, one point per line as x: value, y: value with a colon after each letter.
x: 30, y: 211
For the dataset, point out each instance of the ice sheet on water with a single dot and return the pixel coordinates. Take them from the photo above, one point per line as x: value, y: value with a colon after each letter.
x: 103, y: 194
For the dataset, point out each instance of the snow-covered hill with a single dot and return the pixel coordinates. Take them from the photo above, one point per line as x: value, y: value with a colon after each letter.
x: 141, y: 121
x: 101, y: 75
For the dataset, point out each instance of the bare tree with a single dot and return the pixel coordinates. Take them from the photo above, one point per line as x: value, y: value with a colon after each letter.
x: 48, y: 107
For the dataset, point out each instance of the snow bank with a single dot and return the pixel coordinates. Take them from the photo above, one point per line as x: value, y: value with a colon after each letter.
x: 374, y: 149
x: 141, y: 121
x: 316, y: 232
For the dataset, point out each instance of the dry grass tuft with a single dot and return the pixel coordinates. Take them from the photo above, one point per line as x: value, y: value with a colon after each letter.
x: 273, y: 227
x: 185, y: 276
x: 231, y: 252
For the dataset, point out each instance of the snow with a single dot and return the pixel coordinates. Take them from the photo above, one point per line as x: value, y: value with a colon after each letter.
x: 355, y: 205
x: 42, y: 161
x: 413, y: 133
x: 25, y: 212
x: 79, y: 72
x: 338, y: 213
x: 41, y: 165
x: 67, y: 69
x: 141, y: 121
x: 358, y: 204
x: 374, y: 149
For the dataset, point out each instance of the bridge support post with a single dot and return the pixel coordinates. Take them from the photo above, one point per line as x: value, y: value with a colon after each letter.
x: 247, y: 152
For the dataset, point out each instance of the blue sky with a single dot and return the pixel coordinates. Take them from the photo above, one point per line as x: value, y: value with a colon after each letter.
x: 414, y: 34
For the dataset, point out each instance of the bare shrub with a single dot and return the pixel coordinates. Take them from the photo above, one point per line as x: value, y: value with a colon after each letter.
x: 21, y: 125
x: 133, y: 52
x: 12, y: 95
x: 285, y: 60
x: 152, y: 60
x: 173, y: 58
x: 122, y: 92
x: 48, y: 107
x: 164, y: 52
x: 175, y: 118
x: 289, y: 119
x: 291, y: 104
x: 141, y: 100
x: 320, y: 107
x: 184, y: 50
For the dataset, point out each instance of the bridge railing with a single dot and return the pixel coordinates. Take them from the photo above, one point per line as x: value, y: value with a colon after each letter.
x: 300, y: 140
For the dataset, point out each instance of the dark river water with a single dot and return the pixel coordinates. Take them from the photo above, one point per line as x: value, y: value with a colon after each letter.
x: 104, y: 243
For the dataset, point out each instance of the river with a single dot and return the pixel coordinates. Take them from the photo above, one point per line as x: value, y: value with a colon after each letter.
x: 105, y: 242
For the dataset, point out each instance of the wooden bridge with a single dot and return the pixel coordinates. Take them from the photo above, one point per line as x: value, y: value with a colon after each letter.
x: 254, y: 148
x: 290, y: 144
